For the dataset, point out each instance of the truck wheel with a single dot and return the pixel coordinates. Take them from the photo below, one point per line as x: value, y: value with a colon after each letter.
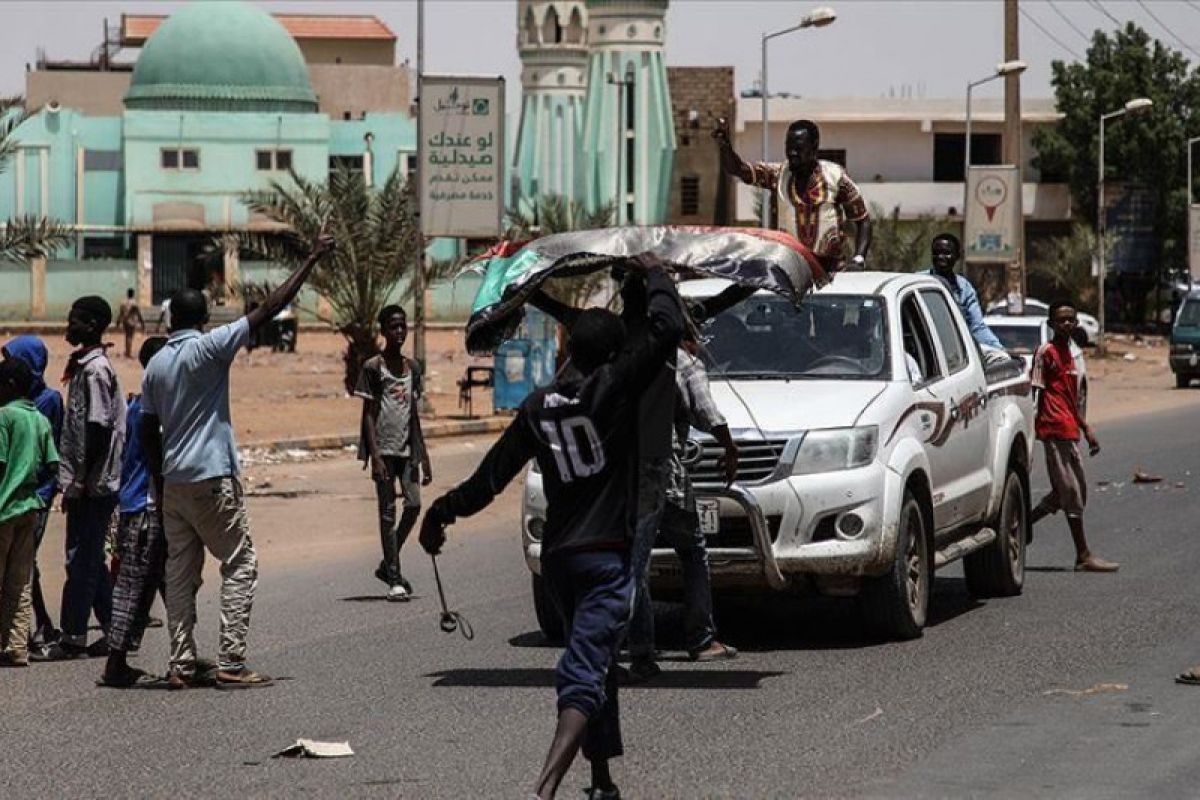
x: 998, y: 570
x: 547, y: 615
x: 897, y: 603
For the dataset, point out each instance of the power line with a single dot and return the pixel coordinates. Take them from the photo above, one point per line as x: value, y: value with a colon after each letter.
x: 1048, y: 34
x: 1185, y: 45
x: 1066, y: 19
x: 1096, y: 4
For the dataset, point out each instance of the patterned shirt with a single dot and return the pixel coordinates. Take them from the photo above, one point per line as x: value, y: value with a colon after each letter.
x: 695, y: 408
x: 815, y: 216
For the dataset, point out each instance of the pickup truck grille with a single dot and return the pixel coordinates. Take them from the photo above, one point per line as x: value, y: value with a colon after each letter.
x: 757, y: 460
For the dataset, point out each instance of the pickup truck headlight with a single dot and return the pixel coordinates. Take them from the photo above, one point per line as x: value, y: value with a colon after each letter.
x: 836, y: 449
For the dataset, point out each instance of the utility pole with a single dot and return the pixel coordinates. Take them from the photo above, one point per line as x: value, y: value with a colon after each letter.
x: 1012, y: 141
x: 418, y: 278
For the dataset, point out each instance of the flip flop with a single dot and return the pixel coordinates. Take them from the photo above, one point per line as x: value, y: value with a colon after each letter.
x: 127, y: 680
x: 246, y: 679
x: 725, y: 653
x: 1189, y: 678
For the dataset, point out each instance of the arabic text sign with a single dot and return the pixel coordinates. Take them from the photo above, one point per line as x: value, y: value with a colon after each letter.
x: 462, y: 155
x: 990, y: 231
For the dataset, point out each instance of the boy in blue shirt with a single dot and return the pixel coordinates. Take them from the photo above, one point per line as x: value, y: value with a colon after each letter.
x: 140, y: 546
x: 32, y: 351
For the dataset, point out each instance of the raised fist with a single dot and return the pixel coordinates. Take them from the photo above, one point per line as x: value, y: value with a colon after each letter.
x: 720, y: 131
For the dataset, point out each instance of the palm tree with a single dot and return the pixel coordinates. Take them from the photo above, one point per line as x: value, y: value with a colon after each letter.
x: 27, y: 237
x: 377, y: 237
x: 902, y: 246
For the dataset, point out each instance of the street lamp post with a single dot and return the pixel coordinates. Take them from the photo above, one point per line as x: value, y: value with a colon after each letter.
x: 817, y: 18
x: 1132, y: 107
x: 1002, y: 70
x: 1190, y: 200
x: 621, y: 84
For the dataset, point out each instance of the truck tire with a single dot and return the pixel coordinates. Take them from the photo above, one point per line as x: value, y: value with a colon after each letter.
x: 896, y: 603
x: 998, y: 570
x: 548, y: 617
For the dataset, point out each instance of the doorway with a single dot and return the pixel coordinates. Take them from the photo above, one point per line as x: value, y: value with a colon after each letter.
x: 185, y: 261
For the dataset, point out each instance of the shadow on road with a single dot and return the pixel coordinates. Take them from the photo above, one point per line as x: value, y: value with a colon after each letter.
x: 670, y: 679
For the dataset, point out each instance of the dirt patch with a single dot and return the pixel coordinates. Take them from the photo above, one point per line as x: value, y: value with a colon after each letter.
x: 1134, y: 379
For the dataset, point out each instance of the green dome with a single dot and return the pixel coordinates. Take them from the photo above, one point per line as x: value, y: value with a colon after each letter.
x: 221, y: 56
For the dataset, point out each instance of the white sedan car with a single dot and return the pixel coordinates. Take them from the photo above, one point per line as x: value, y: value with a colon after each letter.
x: 1022, y: 336
x: 1039, y: 310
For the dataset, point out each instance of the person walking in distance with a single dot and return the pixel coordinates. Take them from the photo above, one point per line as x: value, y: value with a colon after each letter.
x: 392, y: 445
x: 32, y: 351
x: 577, y: 429
x: 188, y: 438
x: 26, y: 450
x: 810, y: 198
x: 1058, y: 425
x: 89, y: 475
x: 140, y: 546
x: 129, y: 320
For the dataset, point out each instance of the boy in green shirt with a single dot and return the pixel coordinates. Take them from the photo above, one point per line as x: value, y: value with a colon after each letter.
x: 26, y: 453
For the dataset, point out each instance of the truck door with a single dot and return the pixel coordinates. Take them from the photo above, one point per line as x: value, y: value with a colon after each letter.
x: 965, y: 441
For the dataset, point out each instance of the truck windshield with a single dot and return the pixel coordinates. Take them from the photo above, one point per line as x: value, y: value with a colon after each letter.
x: 1018, y: 338
x: 829, y: 336
x: 1189, y: 315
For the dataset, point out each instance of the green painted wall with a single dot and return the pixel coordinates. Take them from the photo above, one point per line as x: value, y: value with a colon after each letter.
x: 14, y: 290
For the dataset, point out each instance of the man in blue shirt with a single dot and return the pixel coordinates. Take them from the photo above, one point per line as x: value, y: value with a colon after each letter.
x: 946, y: 250
x: 188, y: 438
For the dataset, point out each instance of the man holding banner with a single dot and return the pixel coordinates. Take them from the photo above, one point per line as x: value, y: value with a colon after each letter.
x: 810, y: 198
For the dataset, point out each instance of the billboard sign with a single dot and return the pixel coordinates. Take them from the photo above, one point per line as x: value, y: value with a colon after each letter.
x: 461, y: 154
x: 991, y: 231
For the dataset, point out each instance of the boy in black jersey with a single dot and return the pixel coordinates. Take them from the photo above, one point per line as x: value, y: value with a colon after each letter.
x: 578, y: 430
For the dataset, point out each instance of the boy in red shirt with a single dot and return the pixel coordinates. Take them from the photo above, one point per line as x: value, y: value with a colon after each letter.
x: 1058, y: 426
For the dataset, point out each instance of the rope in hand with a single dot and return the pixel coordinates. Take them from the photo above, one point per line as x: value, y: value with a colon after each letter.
x: 451, y: 621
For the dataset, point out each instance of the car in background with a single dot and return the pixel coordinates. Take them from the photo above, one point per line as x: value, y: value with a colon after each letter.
x: 1036, y: 308
x: 1185, y: 342
x: 1022, y: 336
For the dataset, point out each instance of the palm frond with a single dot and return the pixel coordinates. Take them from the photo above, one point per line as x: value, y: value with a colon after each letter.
x: 28, y: 237
x: 12, y: 115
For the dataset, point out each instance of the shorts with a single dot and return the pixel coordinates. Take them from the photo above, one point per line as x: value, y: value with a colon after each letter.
x: 1064, y: 466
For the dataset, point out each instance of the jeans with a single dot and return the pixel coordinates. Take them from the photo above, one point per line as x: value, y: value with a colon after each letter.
x: 87, y: 588
x: 391, y: 535
x: 41, y: 615
x: 209, y: 514
x: 592, y: 591
x: 681, y: 530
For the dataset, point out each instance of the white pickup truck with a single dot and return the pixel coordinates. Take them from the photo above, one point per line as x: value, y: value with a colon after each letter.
x: 875, y: 449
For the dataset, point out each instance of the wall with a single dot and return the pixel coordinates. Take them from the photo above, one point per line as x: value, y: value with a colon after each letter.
x: 394, y: 135
x: 343, y: 88
x: 348, y: 51
x: 708, y: 93
x: 227, y: 143
x: 14, y: 290
x: 95, y: 93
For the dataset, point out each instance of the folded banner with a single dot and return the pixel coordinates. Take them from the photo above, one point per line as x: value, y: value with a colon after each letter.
x: 751, y: 257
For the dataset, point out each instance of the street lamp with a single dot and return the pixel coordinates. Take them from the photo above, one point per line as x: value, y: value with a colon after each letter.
x: 817, y: 18
x: 1132, y: 107
x: 621, y: 84
x: 1001, y: 71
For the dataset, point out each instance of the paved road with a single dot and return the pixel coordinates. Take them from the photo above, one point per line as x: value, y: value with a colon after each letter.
x: 988, y: 703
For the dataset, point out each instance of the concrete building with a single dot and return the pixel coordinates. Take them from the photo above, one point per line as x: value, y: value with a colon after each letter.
x: 700, y: 193
x: 907, y: 153
x: 148, y: 162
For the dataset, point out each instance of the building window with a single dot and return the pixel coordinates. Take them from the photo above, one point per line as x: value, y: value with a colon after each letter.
x: 836, y: 156
x: 105, y: 247
x: 949, y: 153
x: 180, y: 158
x: 410, y: 164
x: 268, y: 160
x: 689, y: 195
x: 350, y: 163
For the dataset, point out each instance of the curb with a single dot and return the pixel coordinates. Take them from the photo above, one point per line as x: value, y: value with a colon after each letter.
x: 432, y: 430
